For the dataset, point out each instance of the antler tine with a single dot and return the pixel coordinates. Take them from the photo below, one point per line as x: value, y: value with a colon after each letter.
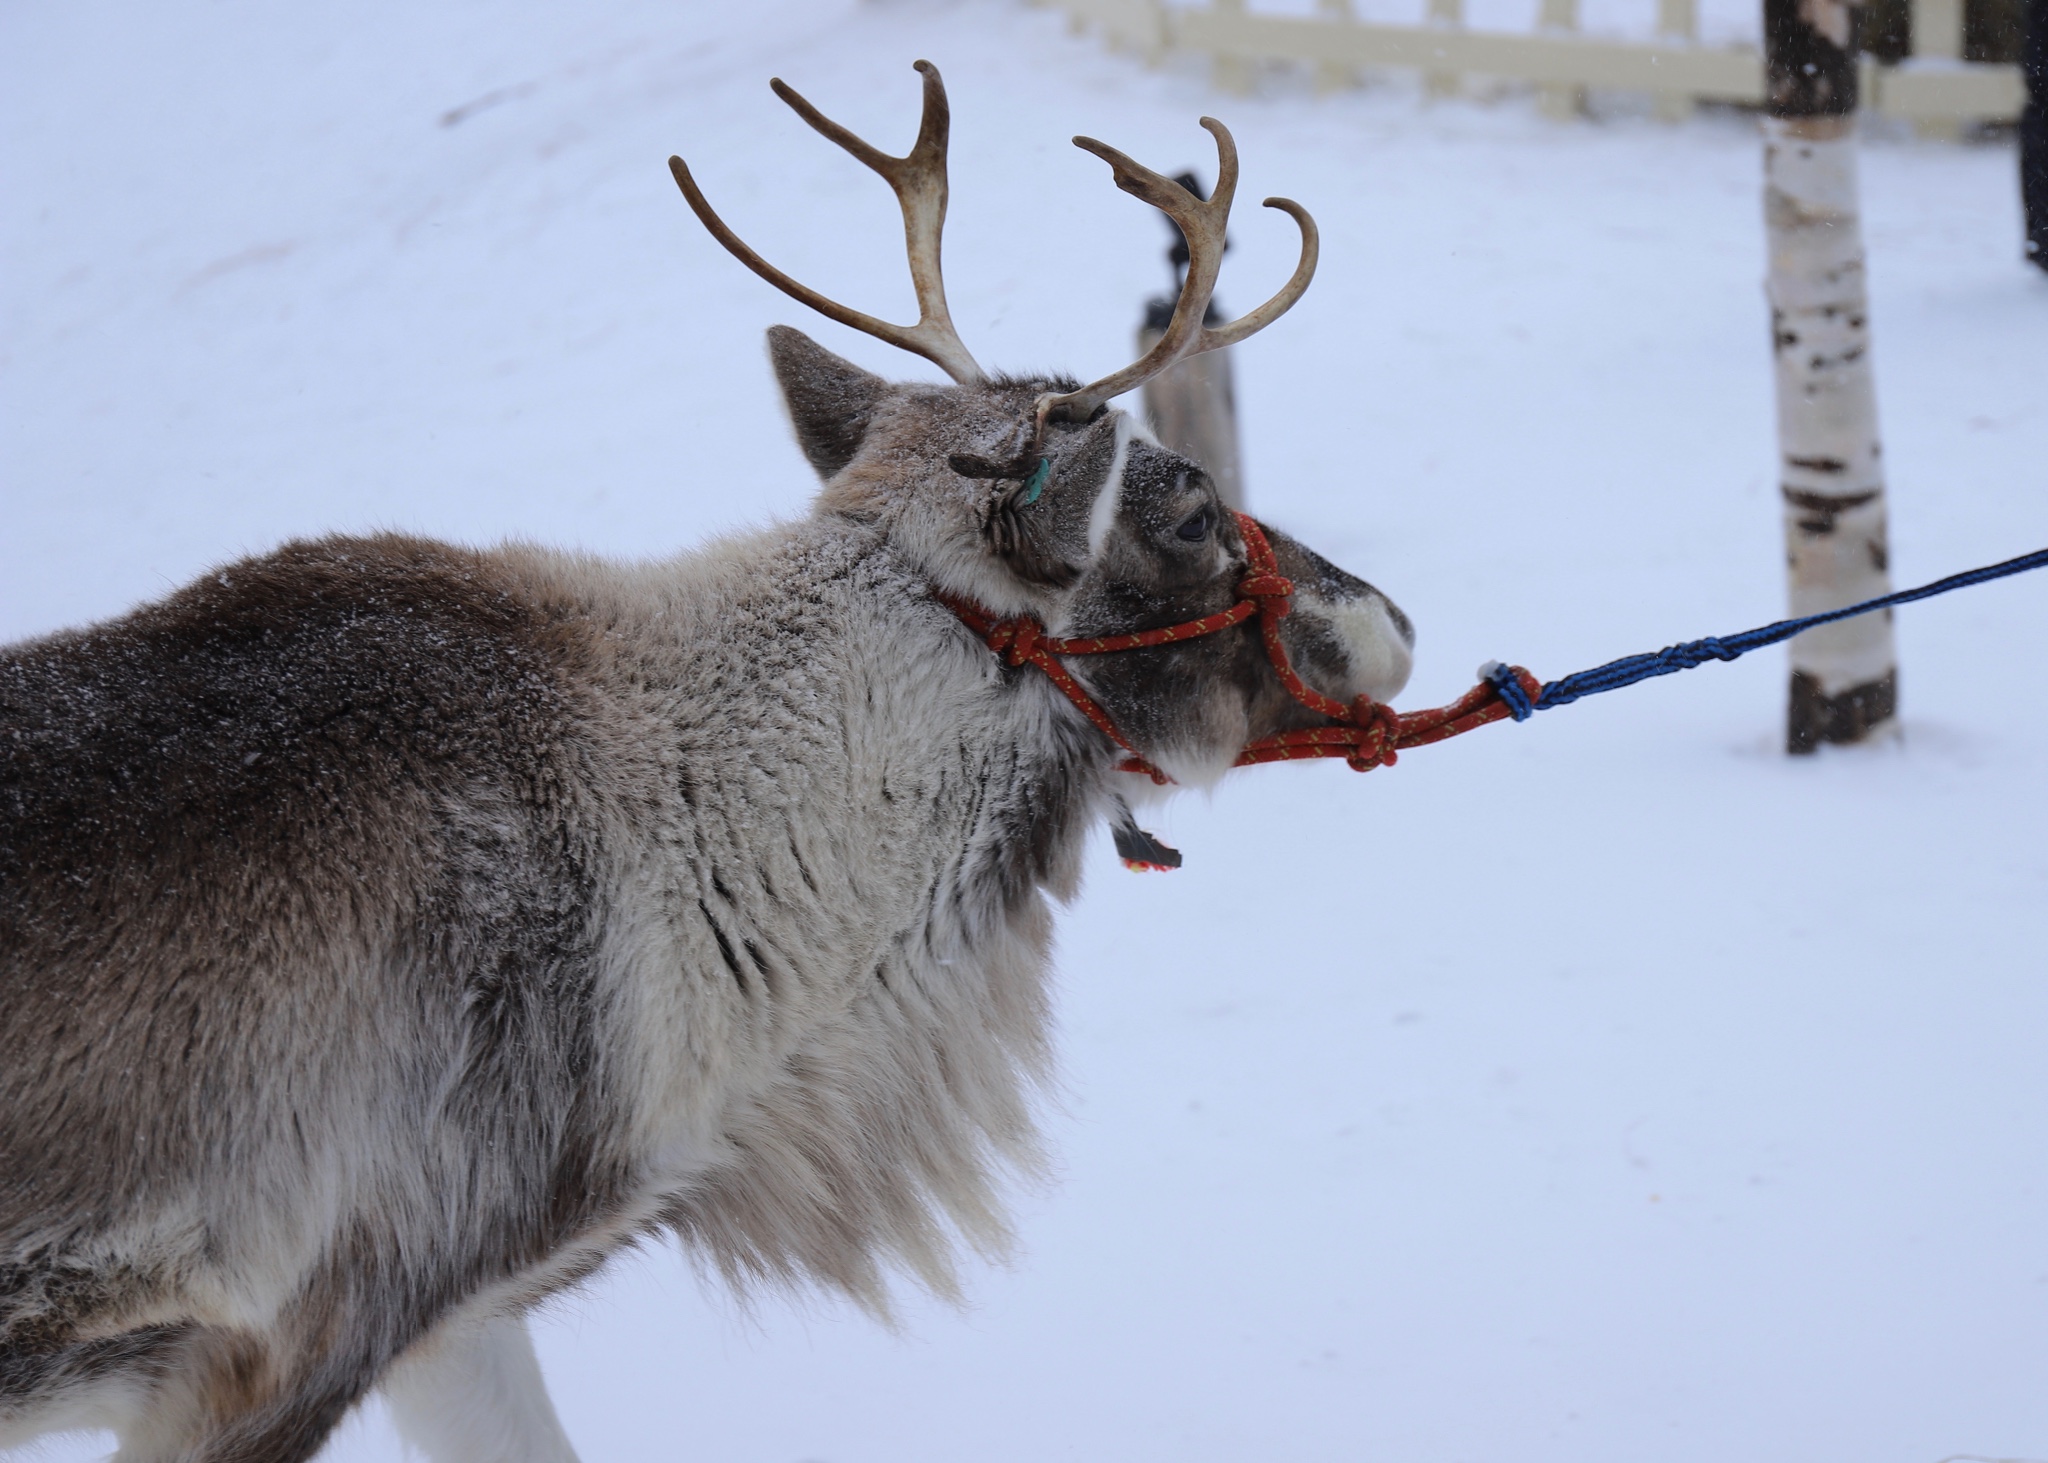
x: 1253, y: 321
x: 1203, y: 225
x: 919, y: 181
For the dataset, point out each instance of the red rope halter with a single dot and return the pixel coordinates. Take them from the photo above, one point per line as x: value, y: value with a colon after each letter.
x: 1368, y: 734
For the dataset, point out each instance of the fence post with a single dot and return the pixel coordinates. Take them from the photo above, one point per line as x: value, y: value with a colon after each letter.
x: 1334, y: 75
x: 1677, y: 20
x: 1937, y: 28
x: 1557, y: 99
x: 1232, y: 74
x: 1844, y: 676
x: 1444, y: 15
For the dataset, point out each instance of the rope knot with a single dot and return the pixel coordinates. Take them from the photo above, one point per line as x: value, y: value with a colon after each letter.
x: 1272, y: 592
x: 1015, y: 640
x: 1379, y: 735
x: 1515, y: 686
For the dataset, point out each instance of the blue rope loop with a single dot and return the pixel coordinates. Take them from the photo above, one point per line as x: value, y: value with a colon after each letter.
x: 1502, y: 679
x: 1674, y: 658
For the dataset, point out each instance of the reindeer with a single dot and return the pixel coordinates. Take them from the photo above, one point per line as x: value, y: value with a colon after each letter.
x: 391, y: 932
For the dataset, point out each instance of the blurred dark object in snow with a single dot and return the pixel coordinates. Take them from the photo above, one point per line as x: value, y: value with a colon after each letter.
x: 1992, y: 30
x: 1192, y: 406
x: 2034, y: 133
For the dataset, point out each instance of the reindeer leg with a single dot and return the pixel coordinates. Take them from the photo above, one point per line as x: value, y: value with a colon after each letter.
x: 220, y: 1396
x: 471, y: 1392
x: 464, y: 1389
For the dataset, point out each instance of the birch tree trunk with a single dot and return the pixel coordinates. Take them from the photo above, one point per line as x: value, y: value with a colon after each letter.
x: 1844, y: 676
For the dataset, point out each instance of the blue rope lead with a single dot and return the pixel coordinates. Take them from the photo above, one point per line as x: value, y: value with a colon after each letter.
x: 1632, y: 668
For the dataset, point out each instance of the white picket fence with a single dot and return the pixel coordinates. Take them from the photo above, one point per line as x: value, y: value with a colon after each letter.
x: 1935, y: 89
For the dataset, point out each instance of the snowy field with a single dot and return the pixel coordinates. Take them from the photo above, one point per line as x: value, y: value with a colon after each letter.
x: 1609, y: 1089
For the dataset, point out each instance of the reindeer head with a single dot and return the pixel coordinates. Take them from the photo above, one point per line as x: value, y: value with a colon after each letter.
x: 1033, y: 498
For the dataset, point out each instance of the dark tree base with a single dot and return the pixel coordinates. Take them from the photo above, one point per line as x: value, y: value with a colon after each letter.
x: 1810, y: 55
x: 2034, y: 133
x: 1850, y: 717
x: 2034, y: 167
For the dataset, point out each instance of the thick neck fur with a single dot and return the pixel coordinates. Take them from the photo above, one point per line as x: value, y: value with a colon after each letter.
x: 870, y: 812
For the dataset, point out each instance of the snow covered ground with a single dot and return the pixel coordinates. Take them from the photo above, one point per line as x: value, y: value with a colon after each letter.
x: 1607, y: 1088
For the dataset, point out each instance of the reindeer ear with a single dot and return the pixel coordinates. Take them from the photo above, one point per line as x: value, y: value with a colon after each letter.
x: 830, y: 400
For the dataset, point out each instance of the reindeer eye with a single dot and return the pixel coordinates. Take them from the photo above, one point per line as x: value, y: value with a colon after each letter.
x: 1195, y: 529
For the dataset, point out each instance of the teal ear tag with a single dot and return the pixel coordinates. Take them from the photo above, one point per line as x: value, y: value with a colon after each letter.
x: 1035, y: 484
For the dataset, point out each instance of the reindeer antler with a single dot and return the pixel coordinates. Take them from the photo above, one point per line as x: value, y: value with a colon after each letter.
x: 1203, y: 225
x: 919, y: 181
